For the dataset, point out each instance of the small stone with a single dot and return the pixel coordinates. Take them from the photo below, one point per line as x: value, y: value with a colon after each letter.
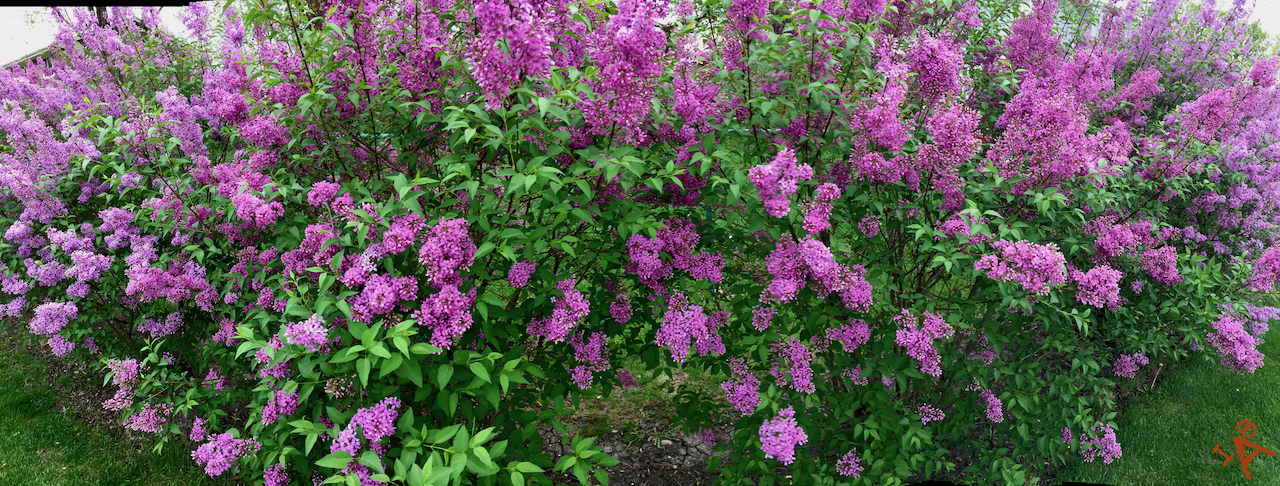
x: 664, y: 443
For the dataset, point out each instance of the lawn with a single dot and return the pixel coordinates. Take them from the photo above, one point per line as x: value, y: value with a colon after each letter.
x: 1168, y: 434
x: 41, y: 443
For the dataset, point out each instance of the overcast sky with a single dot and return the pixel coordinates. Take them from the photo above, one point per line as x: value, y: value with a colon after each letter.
x: 26, y: 29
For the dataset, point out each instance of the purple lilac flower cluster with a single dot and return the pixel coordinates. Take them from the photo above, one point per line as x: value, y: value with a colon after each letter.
x: 743, y: 388
x: 1102, y: 444
x: 124, y: 373
x: 446, y: 252
x: 264, y: 356
x: 569, y: 311
x: 50, y: 318
x: 375, y: 422
x: 995, y: 411
x: 849, y: 464
x: 221, y: 451
x: 930, y: 414
x: 678, y: 239
x: 791, y: 366
x: 761, y: 317
x: 851, y: 335
x: 626, y: 380
x: 1127, y: 365
x: 311, y: 333
x: 519, y: 274
x: 620, y: 309
x: 159, y: 329
x: 1035, y: 267
x: 1236, y: 346
x: 685, y: 325
x: 275, y: 475
x: 870, y: 225
x: 855, y: 375
x: 818, y: 213
x: 281, y: 404
x: 60, y: 346
x: 593, y: 355
x: 381, y: 294
x: 151, y: 418
x: 792, y: 265
x: 919, y: 340
x: 778, y: 181
x: 1162, y: 265
x: 447, y: 313
x: 1099, y: 287
x: 780, y: 436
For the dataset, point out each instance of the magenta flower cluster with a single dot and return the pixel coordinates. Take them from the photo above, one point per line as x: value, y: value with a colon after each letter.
x: 1099, y: 287
x: 1035, y: 267
x: 792, y: 265
x: 159, y: 329
x: 791, y: 365
x: 684, y: 326
x: 221, y: 452
x: 1102, y: 443
x: 850, y: 335
x: 1238, y: 348
x: 311, y: 333
x: 817, y: 214
x: 849, y: 464
x: 569, y: 310
x: 519, y: 274
x: 592, y: 356
x: 778, y: 181
x: 282, y: 404
x: 995, y: 411
x: 1127, y: 364
x: 374, y: 423
x: 780, y: 436
x: 679, y: 240
x: 743, y: 388
x: 918, y: 338
x: 930, y: 414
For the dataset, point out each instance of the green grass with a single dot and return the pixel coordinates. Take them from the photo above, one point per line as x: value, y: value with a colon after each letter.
x: 41, y: 444
x: 1168, y: 434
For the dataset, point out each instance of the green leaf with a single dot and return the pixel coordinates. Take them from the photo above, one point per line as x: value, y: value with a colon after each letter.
x: 336, y: 460
x: 443, y: 374
x: 517, y: 479
x: 528, y: 467
x: 362, y: 367
x: 481, y: 372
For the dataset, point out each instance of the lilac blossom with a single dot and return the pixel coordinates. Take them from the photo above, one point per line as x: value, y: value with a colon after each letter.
x: 221, y: 451
x: 1236, y: 346
x: 311, y: 333
x: 569, y: 311
x: 780, y: 436
x: 929, y: 414
x: 519, y: 274
x: 791, y: 366
x: 919, y: 340
x: 743, y: 389
x: 1035, y: 267
x: 778, y: 181
x: 1103, y: 444
x: 849, y: 465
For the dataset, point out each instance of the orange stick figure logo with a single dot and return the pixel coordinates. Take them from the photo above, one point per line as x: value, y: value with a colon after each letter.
x: 1246, y: 429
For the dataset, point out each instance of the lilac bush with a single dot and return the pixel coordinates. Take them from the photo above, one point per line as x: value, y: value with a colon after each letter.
x: 372, y: 242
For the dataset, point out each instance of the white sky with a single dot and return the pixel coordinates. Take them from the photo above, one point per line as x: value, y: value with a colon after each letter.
x: 24, y: 30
